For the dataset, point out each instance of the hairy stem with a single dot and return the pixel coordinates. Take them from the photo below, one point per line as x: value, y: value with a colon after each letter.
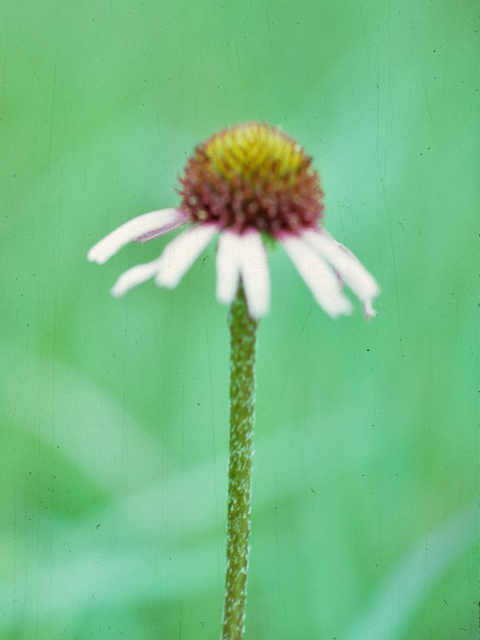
x: 242, y: 418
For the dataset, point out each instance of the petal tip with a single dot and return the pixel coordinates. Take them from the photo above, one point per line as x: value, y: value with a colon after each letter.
x: 162, y: 279
x: 257, y: 314
x: 343, y: 308
x: 369, y: 312
x: 94, y: 255
x: 115, y: 292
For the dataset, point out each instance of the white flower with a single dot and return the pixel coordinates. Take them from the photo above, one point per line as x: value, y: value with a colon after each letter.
x: 324, y: 264
x: 248, y: 180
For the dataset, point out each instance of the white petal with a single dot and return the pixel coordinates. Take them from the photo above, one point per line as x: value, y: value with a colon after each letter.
x: 254, y: 273
x: 135, y: 275
x: 228, y: 266
x: 348, y: 267
x: 317, y: 275
x: 131, y: 230
x: 368, y: 310
x: 169, y: 225
x: 179, y: 255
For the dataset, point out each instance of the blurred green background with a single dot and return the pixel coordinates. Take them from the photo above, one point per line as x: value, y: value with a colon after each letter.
x: 114, y: 412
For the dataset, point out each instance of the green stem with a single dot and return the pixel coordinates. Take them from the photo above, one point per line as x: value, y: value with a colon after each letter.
x: 242, y: 418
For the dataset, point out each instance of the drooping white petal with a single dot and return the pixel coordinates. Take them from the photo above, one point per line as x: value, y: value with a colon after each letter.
x: 135, y: 275
x: 131, y: 230
x: 170, y: 225
x: 317, y: 275
x: 254, y: 273
x: 348, y: 267
x: 228, y: 266
x: 179, y: 255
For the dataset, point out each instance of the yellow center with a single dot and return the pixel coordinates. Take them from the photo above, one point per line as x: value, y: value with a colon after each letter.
x: 255, y: 151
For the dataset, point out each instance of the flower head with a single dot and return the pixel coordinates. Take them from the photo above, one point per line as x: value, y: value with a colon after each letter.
x: 246, y: 184
x: 252, y: 175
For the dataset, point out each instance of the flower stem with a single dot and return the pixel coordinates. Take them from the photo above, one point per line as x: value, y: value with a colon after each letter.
x: 242, y: 418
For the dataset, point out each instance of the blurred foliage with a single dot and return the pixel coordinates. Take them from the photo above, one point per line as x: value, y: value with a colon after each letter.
x: 114, y: 413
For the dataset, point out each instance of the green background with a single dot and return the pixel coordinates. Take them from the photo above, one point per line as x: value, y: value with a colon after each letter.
x: 114, y: 413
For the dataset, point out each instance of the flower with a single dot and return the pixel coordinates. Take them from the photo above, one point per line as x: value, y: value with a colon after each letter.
x: 247, y: 184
